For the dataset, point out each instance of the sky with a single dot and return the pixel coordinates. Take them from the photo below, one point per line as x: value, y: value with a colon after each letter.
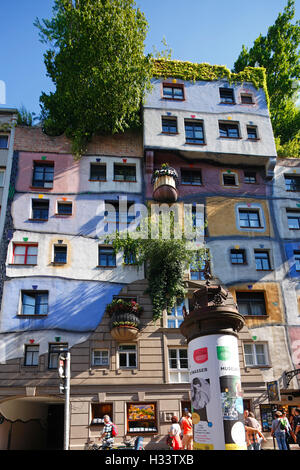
x: 210, y: 31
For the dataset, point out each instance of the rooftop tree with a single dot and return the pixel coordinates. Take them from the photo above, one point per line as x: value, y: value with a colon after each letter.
x: 97, y: 63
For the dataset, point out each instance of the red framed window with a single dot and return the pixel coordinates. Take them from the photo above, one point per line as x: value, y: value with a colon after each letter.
x: 25, y: 253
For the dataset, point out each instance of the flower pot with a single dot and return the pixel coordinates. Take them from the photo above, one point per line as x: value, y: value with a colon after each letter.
x: 164, y: 189
x: 124, y: 333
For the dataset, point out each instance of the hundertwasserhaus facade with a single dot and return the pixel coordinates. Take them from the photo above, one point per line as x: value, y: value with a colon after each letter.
x: 58, y: 275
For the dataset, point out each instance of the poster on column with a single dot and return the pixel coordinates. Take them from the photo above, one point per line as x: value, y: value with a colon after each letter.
x: 216, y: 396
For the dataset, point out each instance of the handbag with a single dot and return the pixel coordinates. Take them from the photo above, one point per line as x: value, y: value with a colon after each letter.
x: 169, y: 441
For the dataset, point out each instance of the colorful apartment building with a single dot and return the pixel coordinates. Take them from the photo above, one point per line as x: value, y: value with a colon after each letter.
x: 60, y: 275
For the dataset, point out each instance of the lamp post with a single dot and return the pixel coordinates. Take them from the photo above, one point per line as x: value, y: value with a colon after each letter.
x: 211, y: 331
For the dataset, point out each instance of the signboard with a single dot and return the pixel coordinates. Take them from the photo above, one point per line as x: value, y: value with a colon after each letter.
x: 216, y: 396
x: 273, y: 390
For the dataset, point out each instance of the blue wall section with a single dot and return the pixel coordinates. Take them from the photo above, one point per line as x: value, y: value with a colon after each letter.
x: 73, y: 305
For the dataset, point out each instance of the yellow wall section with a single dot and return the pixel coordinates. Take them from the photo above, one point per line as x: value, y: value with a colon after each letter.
x: 273, y: 301
x: 221, y: 217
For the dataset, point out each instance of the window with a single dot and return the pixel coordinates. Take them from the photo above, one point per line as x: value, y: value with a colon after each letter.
x: 251, y: 303
x: 297, y: 260
x: 2, y: 176
x: 107, y: 257
x: 3, y: 141
x: 249, y: 177
x: 229, y: 130
x: 175, y: 317
x: 178, y: 365
x: 293, y: 217
x: 191, y: 177
x: 141, y: 418
x: 98, y: 172
x: 173, y: 91
x: 246, y: 98
x: 127, y: 356
x: 40, y: 209
x: 238, y: 256
x: 64, y: 208
x: 43, y: 174
x: 197, y: 270
x: 292, y: 183
x: 25, y: 254
x: 54, y: 352
x: 100, y: 357
x: 227, y: 96
x: 119, y: 218
x: 252, y: 132
x: 31, y: 355
x: 60, y: 254
x: 124, y: 172
x: 262, y: 260
x: 34, y: 303
x: 249, y: 218
x: 256, y: 354
x: 130, y: 258
x: 230, y: 179
x: 169, y: 125
x: 99, y: 410
x: 194, y: 132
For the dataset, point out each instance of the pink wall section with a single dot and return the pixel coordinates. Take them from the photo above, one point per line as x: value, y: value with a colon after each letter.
x: 211, y: 177
x: 66, y: 172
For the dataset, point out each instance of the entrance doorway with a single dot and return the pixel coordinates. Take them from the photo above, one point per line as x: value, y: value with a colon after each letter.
x: 55, y: 427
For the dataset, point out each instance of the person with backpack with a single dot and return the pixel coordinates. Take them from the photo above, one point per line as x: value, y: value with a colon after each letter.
x: 109, y: 433
x: 278, y: 430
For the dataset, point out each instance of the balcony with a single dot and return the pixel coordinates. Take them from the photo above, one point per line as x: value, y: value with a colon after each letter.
x: 165, y: 183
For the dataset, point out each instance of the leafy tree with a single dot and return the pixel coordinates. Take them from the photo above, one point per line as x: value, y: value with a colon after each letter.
x: 279, y: 53
x: 25, y: 117
x: 96, y: 61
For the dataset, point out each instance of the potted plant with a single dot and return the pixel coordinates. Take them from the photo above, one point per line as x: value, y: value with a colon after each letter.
x: 124, y: 319
x: 165, y: 183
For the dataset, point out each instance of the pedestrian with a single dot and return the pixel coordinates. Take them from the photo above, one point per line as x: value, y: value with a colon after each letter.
x: 187, y: 428
x: 249, y: 432
x: 288, y: 429
x: 174, y: 433
x: 278, y: 431
x: 106, y: 436
x: 253, y: 437
x: 297, y: 425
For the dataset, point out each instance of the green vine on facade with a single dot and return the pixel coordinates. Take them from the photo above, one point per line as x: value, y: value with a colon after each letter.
x: 190, y: 71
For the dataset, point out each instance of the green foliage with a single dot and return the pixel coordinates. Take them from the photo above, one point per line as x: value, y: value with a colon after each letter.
x: 96, y: 61
x: 25, y: 117
x: 290, y: 149
x: 278, y: 52
x: 165, y: 261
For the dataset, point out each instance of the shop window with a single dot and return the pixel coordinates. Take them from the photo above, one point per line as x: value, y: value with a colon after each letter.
x: 97, y: 172
x: 43, y: 175
x: 99, y: 410
x: 25, y: 254
x: 178, y: 365
x: 55, y: 350
x: 141, y: 418
x: 31, y: 355
x: 256, y: 354
x: 251, y: 303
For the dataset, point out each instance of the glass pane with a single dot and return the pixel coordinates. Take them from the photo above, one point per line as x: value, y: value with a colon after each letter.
x: 173, y: 363
x: 122, y: 358
x: 20, y: 250
x: 132, y: 360
x: 171, y: 324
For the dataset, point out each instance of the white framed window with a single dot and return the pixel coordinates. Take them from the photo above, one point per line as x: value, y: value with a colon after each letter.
x: 175, y: 317
x: 250, y: 217
x: 178, y: 365
x: 54, y: 351
x: 256, y: 354
x: 100, y: 357
x: 31, y: 355
x: 127, y: 356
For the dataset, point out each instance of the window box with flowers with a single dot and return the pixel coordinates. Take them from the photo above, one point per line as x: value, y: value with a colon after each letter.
x: 124, y: 319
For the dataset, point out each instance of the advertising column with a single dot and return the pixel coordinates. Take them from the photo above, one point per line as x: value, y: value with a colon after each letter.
x: 216, y: 394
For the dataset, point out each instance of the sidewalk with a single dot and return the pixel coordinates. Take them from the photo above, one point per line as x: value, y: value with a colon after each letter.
x: 269, y: 445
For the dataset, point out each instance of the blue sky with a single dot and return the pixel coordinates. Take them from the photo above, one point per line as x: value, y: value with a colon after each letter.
x: 210, y: 31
